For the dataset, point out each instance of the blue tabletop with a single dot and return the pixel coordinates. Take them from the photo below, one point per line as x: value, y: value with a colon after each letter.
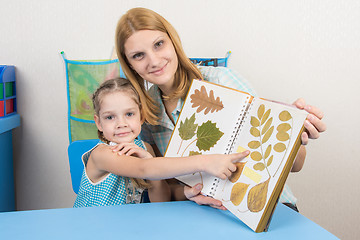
x: 170, y: 220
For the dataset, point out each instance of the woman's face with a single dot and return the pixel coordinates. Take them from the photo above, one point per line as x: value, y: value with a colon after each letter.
x: 152, y: 55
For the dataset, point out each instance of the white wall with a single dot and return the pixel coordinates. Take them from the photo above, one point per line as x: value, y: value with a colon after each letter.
x: 286, y: 48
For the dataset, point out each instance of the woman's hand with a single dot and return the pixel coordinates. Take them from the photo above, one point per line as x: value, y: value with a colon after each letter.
x: 130, y: 149
x: 313, y: 123
x: 194, y: 194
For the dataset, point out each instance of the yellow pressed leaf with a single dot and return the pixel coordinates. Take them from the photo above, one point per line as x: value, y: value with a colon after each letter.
x: 255, y: 132
x: 254, y: 122
x: 238, y: 192
x: 284, y: 127
x: 270, y: 160
x: 265, y: 117
x: 267, y: 152
x: 266, y: 126
x: 256, y: 156
x: 282, y: 136
x: 254, y: 144
x: 267, y: 135
x: 285, y: 116
x: 236, y: 175
x: 259, y: 166
x: 261, y: 111
x: 279, y: 147
x: 257, y: 196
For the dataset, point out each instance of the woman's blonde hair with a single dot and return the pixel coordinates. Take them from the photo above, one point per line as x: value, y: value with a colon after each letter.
x: 137, y: 19
x: 111, y: 86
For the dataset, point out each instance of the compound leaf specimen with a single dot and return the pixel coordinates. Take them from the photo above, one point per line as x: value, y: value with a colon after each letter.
x: 257, y: 196
x: 208, y: 135
x: 202, y: 101
x: 236, y: 175
x: 238, y: 192
x: 187, y: 128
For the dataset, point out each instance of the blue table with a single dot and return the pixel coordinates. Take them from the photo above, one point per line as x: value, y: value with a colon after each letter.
x: 171, y: 220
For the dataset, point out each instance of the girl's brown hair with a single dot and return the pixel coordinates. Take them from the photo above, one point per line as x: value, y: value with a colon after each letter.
x: 137, y: 19
x: 111, y: 86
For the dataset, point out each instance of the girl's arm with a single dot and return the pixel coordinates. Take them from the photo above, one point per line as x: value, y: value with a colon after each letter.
x: 105, y: 160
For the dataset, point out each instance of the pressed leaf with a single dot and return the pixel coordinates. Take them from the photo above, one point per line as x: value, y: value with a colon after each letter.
x: 267, y: 135
x: 257, y: 196
x: 208, y: 135
x: 256, y: 156
x: 279, y: 147
x: 202, y: 100
x: 267, y: 126
x: 285, y: 116
x: 254, y: 122
x: 282, y: 136
x: 259, y: 166
x: 261, y: 111
x: 193, y: 153
x: 270, y: 160
x: 265, y: 117
x: 255, y: 132
x: 236, y: 175
x: 284, y: 127
x: 267, y: 152
x: 238, y: 193
x: 187, y: 128
x: 254, y: 144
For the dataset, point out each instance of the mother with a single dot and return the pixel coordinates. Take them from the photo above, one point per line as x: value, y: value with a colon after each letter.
x: 149, y: 50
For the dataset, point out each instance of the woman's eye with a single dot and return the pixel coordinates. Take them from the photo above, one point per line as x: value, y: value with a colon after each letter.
x: 159, y: 43
x: 138, y: 56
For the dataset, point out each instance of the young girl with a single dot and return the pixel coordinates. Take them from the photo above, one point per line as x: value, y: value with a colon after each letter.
x: 118, y: 116
x: 149, y: 49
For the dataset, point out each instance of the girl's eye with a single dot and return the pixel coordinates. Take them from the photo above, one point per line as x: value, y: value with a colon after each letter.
x: 109, y: 117
x: 159, y: 43
x: 130, y: 114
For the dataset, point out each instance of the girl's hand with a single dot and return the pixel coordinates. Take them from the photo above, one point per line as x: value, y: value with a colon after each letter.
x: 194, y: 194
x: 130, y: 149
x: 313, y: 123
x: 223, y: 165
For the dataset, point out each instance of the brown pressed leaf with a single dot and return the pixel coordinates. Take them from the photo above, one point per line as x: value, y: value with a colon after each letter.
x: 201, y: 100
x: 236, y: 175
x: 238, y: 192
x: 257, y: 196
x: 270, y: 160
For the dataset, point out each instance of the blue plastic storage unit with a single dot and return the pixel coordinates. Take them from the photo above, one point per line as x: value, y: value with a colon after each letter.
x: 9, y: 119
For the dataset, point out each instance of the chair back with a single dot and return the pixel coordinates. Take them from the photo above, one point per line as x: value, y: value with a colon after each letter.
x: 75, y: 150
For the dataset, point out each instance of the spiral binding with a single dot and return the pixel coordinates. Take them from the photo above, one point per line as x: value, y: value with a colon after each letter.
x: 230, y: 146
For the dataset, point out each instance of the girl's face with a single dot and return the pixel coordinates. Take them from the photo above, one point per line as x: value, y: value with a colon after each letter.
x: 119, y: 117
x: 152, y: 55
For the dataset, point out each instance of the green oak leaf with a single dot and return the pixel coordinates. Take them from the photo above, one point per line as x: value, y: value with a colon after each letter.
x: 208, y: 135
x: 187, y: 128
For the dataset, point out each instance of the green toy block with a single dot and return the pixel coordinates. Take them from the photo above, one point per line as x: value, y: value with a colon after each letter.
x: 9, y: 89
x: 1, y: 91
